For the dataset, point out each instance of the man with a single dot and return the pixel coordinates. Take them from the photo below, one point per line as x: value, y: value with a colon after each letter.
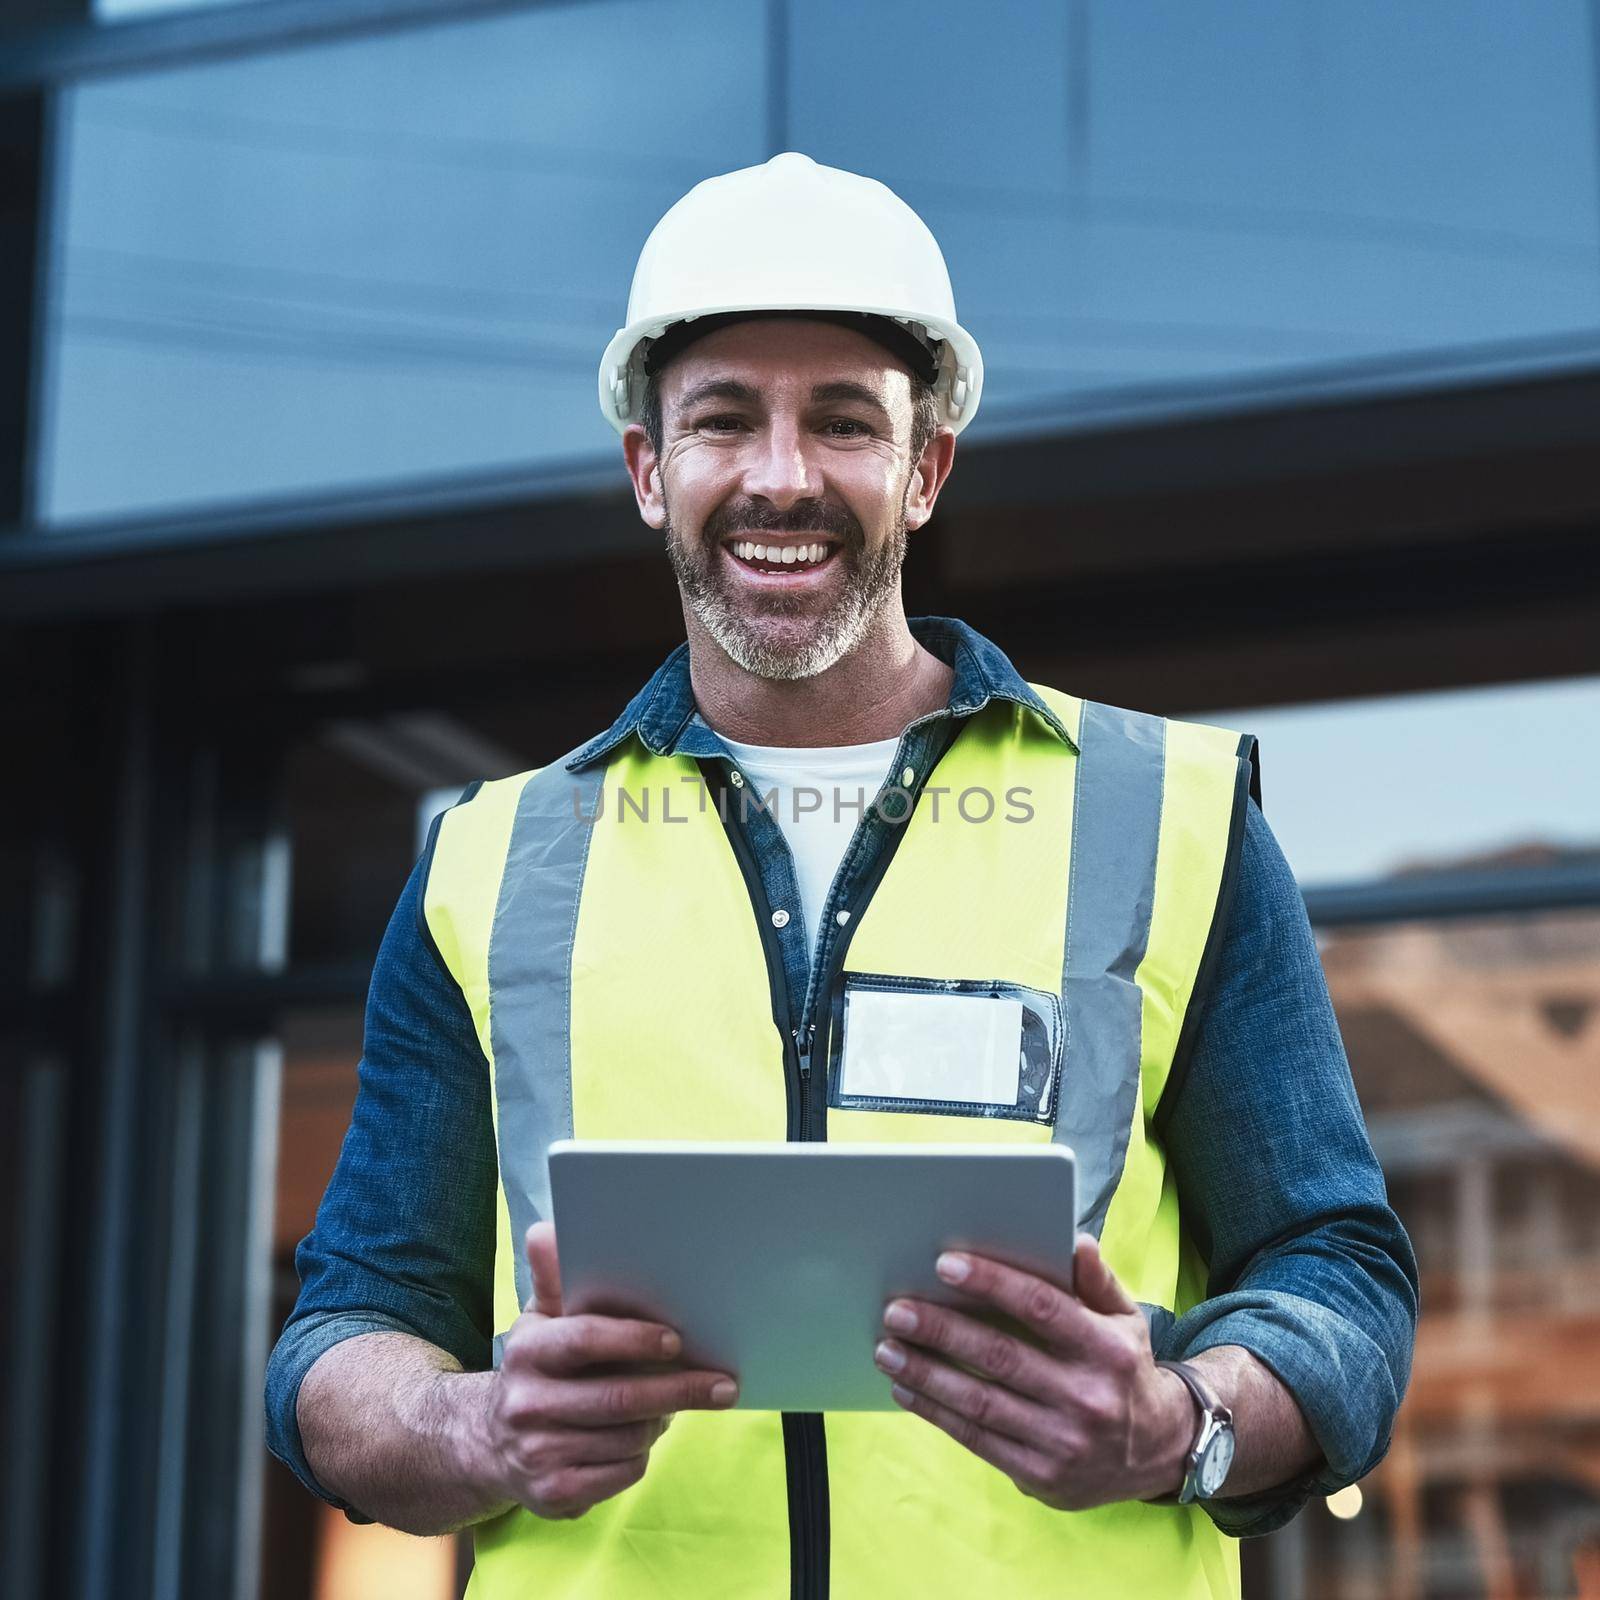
x: 788, y: 389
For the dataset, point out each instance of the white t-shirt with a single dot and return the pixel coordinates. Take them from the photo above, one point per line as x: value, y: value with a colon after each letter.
x: 821, y: 794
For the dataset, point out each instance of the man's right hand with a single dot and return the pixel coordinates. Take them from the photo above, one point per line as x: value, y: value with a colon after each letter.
x: 579, y: 1400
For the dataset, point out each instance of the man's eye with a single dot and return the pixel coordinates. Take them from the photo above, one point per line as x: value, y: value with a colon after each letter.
x: 720, y: 424
x: 852, y: 428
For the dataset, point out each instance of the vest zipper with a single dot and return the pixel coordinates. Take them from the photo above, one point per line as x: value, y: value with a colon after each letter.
x: 802, y: 1045
x: 805, y: 1444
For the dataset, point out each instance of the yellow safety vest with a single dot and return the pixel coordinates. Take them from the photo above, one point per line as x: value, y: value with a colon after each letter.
x: 616, y: 971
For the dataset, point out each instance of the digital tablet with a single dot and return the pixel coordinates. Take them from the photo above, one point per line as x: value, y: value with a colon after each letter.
x: 774, y: 1261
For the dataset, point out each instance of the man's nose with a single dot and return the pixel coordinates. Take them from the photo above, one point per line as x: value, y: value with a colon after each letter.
x: 778, y: 467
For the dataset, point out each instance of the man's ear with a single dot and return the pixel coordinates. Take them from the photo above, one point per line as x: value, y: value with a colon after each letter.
x: 645, y: 473
x: 928, y: 476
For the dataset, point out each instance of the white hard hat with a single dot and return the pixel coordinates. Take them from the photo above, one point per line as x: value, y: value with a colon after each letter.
x: 791, y: 235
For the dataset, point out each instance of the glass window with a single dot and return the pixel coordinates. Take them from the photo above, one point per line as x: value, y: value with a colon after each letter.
x: 400, y: 255
x: 358, y: 794
x: 361, y: 794
x: 379, y: 259
x: 311, y: 1548
x: 1481, y: 777
x: 121, y: 10
x: 1142, y: 199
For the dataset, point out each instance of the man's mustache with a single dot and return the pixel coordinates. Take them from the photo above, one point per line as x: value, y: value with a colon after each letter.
x: 804, y: 516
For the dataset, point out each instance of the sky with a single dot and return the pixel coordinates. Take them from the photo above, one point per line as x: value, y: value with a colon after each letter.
x: 1356, y: 788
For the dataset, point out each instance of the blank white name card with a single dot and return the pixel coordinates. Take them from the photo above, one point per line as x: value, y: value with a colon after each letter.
x: 907, y: 1046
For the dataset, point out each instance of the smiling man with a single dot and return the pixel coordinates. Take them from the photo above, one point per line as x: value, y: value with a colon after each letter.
x: 799, y: 456
x: 789, y: 387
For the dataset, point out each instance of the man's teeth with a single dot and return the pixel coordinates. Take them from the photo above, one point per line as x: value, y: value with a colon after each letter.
x: 788, y: 554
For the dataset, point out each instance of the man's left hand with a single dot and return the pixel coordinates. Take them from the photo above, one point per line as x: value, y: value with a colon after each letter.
x: 1077, y: 1414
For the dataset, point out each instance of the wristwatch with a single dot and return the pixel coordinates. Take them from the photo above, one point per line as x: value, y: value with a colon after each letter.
x: 1205, y: 1468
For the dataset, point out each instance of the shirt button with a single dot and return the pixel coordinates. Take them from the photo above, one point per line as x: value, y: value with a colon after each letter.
x: 736, y: 778
x: 908, y: 777
x: 841, y: 917
x: 780, y: 918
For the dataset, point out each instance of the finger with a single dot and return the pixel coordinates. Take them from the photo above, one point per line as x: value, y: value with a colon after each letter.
x: 595, y: 1446
x: 1095, y: 1283
x: 570, y: 1491
x: 987, y: 1405
x: 567, y: 1345
x: 1055, y: 1315
x: 992, y: 1352
x: 540, y: 1244
x: 600, y: 1402
x: 1023, y: 1466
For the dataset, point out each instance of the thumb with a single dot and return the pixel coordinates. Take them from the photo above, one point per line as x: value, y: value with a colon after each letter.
x: 1094, y: 1283
x: 540, y: 1243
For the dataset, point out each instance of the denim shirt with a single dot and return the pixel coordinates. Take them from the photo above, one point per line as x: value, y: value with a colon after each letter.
x: 1310, y: 1269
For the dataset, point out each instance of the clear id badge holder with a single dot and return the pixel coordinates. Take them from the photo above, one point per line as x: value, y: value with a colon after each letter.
x: 965, y: 1047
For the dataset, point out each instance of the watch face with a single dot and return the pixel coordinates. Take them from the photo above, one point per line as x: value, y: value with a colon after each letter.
x: 1215, y: 1462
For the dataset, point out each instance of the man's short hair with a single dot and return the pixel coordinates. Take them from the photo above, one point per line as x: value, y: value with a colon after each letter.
x: 924, y: 414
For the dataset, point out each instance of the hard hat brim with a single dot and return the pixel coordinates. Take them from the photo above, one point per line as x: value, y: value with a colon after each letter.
x: 959, y: 381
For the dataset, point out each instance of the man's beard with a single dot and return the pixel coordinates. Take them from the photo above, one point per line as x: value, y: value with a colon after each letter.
x: 869, y: 582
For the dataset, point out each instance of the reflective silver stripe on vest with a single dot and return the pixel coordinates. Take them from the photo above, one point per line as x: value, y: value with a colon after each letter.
x: 1116, y: 823
x: 530, y: 986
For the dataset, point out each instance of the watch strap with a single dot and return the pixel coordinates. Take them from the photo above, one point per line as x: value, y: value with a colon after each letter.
x: 1212, y: 1417
x: 1199, y: 1388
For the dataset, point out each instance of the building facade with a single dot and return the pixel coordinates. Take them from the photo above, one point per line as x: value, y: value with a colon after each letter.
x: 1291, y: 315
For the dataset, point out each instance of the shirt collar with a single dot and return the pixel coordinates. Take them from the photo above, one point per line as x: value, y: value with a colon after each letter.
x: 664, y: 716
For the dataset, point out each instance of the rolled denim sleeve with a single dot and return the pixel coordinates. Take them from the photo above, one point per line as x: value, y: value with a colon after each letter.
x: 404, y: 1236
x: 1310, y: 1268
